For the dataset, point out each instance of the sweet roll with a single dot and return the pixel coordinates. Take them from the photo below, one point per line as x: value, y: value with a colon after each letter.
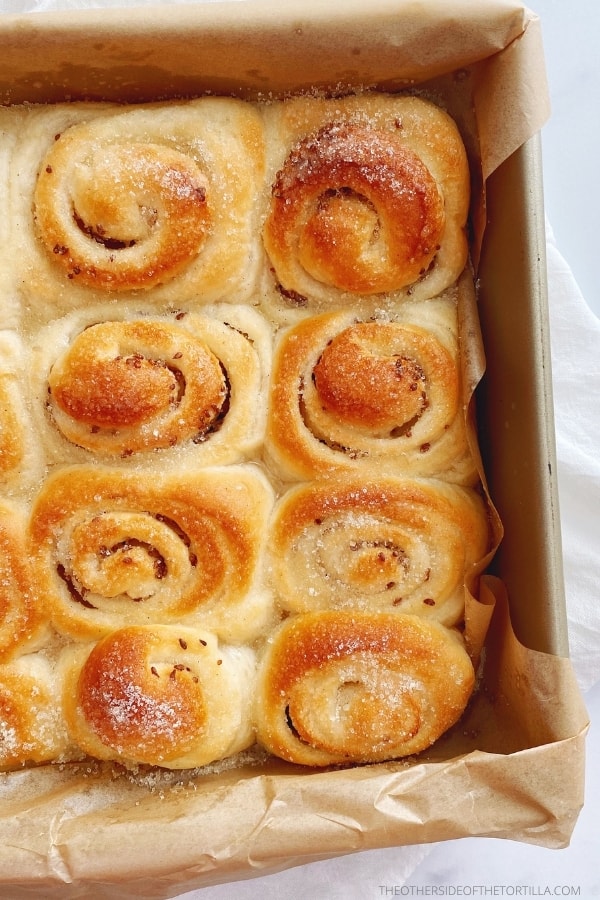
x: 384, y: 393
x: 241, y: 498
x: 348, y: 687
x: 32, y: 728
x: 163, y: 696
x: 382, y: 545
x: 370, y: 196
x: 157, y: 198
x: 21, y: 461
x: 126, y: 387
x: 112, y: 548
x: 22, y: 622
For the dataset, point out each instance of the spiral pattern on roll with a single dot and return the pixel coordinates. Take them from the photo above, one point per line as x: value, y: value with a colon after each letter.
x: 123, y: 387
x: 357, y: 210
x: 370, y: 199
x: 188, y: 387
x: 158, y: 200
x: 165, y: 696
x: 381, y: 545
x: 345, y: 687
x: 120, y: 216
x: 352, y: 395
x: 110, y: 549
x: 237, y: 438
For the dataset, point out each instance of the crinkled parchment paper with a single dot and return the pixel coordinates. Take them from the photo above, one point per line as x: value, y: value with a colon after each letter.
x: 513, y: 766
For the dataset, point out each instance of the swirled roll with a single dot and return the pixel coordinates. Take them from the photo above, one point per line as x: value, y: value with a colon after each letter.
x: 32, y: 729
x: 370, y: 198
x: 353, y: 394
x: 348, y: 687
x: 164, y: 696
x: 154, y: 198
x: 193, y: 384
x: 381, y: 545
x: 112, y: 548
x: 22, y: 623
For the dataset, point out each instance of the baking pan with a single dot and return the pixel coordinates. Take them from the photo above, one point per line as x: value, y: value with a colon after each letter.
x: 75, y: 833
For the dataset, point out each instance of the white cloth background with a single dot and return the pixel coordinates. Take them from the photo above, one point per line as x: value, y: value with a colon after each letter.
x: 575, y: 337
x: 575, y: 341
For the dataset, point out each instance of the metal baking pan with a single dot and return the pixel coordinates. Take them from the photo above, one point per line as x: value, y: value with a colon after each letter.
x: 259, y: 49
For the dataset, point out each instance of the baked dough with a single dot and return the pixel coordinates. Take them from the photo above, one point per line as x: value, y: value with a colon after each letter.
x: 370, y: 196
x: 381, y: 394
x: 32, y: 728
x: 163, y: 696
x: 157, y: 199
x: 383, y: 544
x: 22, y: 622
x: 240, y: 492
x: 127, y: 386
x: 11, y: 120
x: 349, y: 687
x: 21, y: 460
x: 111, y: 549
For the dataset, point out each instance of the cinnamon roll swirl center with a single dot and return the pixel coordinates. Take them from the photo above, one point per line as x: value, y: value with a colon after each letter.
x: 362, y: 212
x: 360, y: 379
x: 138, y: 699
x: 123, y: 215
x: 125, y: 556
x: 348, y: 705
x: 144, y: 385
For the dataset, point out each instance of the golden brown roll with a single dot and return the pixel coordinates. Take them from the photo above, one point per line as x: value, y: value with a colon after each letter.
x: 370, y: 198
x: 12, y: 434
x: 193, y: 384
x: 32, y: 729
x: 385, y: 394
x: 20, y: 457
x: 164, y: 696
x: 349, y: 687
x: 240, y: 491
x: 381, y: 545
x: 157, y: 198
x: 112, y: 548
x: 22, y: 622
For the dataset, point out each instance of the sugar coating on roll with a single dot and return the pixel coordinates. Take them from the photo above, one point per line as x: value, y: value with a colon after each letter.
x: 369, y: 198
x: 32, y: 728
x: 163, y: 696
x: 241, y: 498
x: 350, y: 687
x: 384, y: 544
x: 21, y: 459
x: 157, y: 199
x: 359, y: 394
x: 22, y: 619
x: 111, y: 549
x: 126, y: 387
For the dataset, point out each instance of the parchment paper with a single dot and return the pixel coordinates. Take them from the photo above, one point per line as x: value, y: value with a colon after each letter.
x: 513, y: 766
